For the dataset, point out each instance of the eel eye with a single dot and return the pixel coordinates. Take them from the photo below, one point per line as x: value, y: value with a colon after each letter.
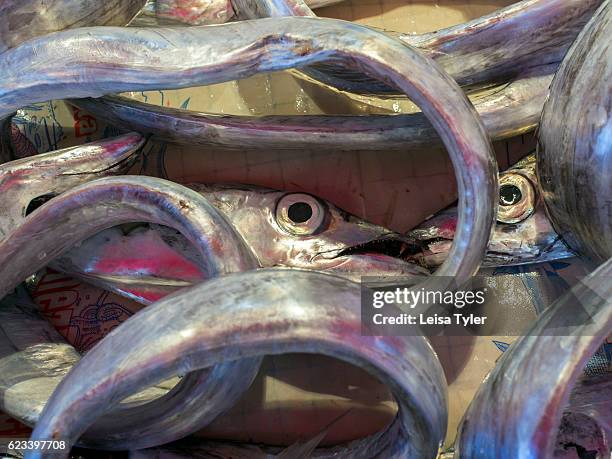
x: 509, y: 195
x: 300, y: 214
x: 516, y: 198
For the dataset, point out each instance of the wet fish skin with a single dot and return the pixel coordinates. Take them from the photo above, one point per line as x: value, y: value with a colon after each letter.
x: 487, y: 49
x: 526, y: 34
x: 48, y: 174
x: 257, y: 313
x: 575, y: 142
x: 33, y: 358
x: 463, y: 50
x: 21, y: 20
x: 196, y: 12
x: 176, y: 12
x: 149, y: 263
x: 83, y: 211
x: 512, y: 110
x: 523, y: 233
x: 476, y: 51
x: 237, y: 50
x: 504, y: 422
x: 255, y: 9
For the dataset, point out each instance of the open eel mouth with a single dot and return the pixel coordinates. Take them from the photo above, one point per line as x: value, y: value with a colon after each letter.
x: 404, y: 250
x: 390, y: 255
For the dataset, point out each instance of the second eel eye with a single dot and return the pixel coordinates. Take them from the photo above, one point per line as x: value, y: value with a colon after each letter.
x: 517, y: 198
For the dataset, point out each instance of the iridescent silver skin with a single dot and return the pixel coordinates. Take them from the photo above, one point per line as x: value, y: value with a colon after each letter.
x: 575, y: 142
x: 104, y: 60
x: 148, y: 263
x: 507, y: 110
x: 475, y: 52
x: 83, y: 211
x: 518, y: 409
x: 176, y: 12
x: 33, y: 357
x: 216, y: 56
x: 21, y: 20
x: 526, y: 34
x: 523, y: 233
x: 263, y: 312
x: 495, y: 47
x: 196, y: 12
x: 43, y: 176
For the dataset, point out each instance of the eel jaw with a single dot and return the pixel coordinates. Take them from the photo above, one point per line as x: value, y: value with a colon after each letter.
x: 401, y: 249
x: 528, y: 242
x: 380, y: 257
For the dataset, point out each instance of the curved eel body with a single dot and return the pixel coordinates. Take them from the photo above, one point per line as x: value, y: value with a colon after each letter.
x: 177, y: 12
x: 506, y: 111
x: 40, y: 177
x: 495, y: 47
x: 575, y: 142
x: 82, y: 212
x: 117, y: 59
x: 150, y: 262
x: 250, y: 315
x: 507, y: 422
x: 527, y: 34
x: 227, y: 52
x: 21, y: 20
x: 196, y: 12
x: 475, y: 52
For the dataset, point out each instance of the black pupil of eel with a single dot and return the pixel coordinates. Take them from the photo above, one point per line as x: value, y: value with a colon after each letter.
x: 509, y: 195
x: 299, y: 212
